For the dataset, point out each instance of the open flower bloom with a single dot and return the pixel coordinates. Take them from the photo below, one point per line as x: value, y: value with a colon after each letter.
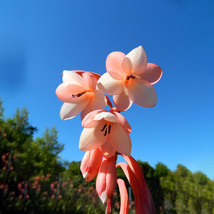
x: 107, y: 179
x: 90, y: 164
x: 106, y: 130
x: 79, y: 93
x: 129, y: 79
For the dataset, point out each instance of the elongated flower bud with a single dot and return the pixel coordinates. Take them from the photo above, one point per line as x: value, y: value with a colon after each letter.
x: 106, y: 179
x: 90, y: 164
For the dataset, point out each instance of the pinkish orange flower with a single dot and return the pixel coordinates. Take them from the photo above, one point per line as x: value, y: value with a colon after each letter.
x: 129, y: 79
x: 79, y: 94
x: 105, y: 130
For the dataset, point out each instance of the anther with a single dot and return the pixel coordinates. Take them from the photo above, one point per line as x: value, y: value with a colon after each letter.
x: 103, y: 127
x: 109, y: 129
x: 105, y: 132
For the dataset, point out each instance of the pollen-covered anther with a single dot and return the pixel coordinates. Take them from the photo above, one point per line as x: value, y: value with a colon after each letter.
x: 78, y: 95
x: 106, y: 128
x: 130, y: 76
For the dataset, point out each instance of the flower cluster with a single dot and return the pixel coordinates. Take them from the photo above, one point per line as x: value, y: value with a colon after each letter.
x: 129, y: 79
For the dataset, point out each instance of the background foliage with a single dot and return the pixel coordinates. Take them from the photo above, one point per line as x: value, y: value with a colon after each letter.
x: 33, y: 178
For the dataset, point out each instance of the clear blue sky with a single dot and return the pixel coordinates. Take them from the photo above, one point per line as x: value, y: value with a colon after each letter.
x: 39, y: 39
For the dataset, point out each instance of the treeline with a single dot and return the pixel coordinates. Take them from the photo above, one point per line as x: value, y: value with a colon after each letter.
x: 33, y: 178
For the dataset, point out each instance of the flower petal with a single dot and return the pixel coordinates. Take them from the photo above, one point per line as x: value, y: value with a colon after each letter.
x: 70, y: 110
x: 106, y: 116
x: 97, y: 102
x: 66, y: 92
x: 120, y: 140
x: 124, y: 123
x: 91, y: 138
x: 107, y: 149
x: 138, y: 60
x: 109, y: 85
x: 142, y: 93
x: 152, y: 74
x: 73, y: 78
x: 90, y: 79
x: 113, y: 65
x: 122, y: 101
x: 88, y: 121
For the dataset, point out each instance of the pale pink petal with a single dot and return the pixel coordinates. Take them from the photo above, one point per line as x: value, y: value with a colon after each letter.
x: 99, y: 101
x: 109, y: 85
x: 81, y: 73
x: 67, y: 92
x: 70, y: 110
x: 127, y: 65
x: 152, y: 74
x: 90, y: 79
x: 73, y: 78
x: 124, y: 199
x: 113, y: 65
x: 107, y: 116
x: 91, y: 138
x: 107, y: 149
x: 124, y: 123
x: 88, y: 120
x: 122, y: 101
x: 138, y: 60
x: 120, y: 140
x: 142, y: 93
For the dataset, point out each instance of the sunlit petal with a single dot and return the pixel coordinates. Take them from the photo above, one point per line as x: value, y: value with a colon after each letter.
x: 88, y: 121
x: 113, y: 65
x: 90, y: 79
x: 122, y: 101
x: 70, y: 110
x: 66, y: 92
x: 107, y: 149
x: 124, y: 123
x: 91, y: 138
x: 142, y: 93
x: 152, y: 74
x: 109, y: 85
x: 138, y: 60
x: 73, y: 78
x: 106, y: 116
x: 120, y: 140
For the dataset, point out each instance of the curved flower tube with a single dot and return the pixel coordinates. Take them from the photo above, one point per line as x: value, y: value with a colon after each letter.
x: 90, y: 164
x: 129, y: 79
x: 107, y: 130
x: 143, y: 205
x: 135, y: 167
x: 107, y: 179
x: 124, y: 200
x: 79, y: 94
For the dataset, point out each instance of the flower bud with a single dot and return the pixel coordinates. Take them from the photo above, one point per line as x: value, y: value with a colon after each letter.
x: 106, y: 179
x: 90, y: 164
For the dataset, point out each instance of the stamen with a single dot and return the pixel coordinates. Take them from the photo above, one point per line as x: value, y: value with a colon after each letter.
x: 105, y: 132
x: 103, y: 127
x: 109, y: 129
x: 78, y: 95
x: 130, y: 76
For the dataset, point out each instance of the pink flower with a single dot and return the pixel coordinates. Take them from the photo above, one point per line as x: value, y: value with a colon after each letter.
x: 90, y: 164
x: 130, y: 78
x: 79, y: 93
x: 107, y: 179
x: 107, y: 130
